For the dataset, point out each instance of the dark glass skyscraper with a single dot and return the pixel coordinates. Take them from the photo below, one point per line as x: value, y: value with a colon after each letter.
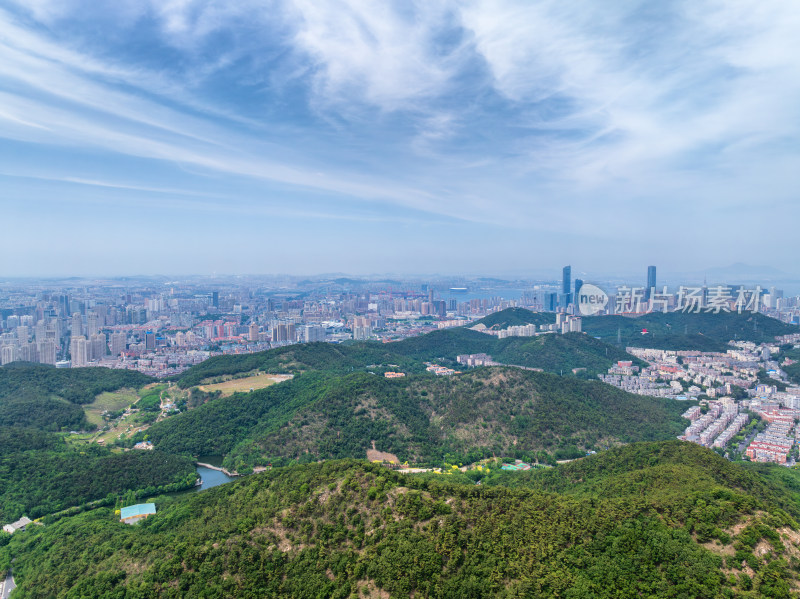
x: 651, y: 281
x: 566, y: 284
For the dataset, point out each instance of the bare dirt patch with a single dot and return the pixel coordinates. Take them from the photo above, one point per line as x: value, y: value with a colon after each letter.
x: 373, y: 455
x: 743, y: 523
x: 762, y: 549
x: 792, y: 535
x: 368, y: 588
x: 719, y: 548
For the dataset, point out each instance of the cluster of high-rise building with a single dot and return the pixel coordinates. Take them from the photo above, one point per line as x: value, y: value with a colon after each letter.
x: 163, y: 327
x: 25, y: 338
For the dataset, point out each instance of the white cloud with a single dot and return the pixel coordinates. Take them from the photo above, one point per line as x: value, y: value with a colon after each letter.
x: 714, y: 86
x: 494, y: 111
x: 382, y: 53
x: 65, y: 104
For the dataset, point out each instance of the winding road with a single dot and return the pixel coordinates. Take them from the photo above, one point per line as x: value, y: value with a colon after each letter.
x: 6, y: 586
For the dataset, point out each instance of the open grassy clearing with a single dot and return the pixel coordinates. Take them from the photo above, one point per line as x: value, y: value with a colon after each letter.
x: 250, y: 383
x: 116, y: 402
x: 128, y: 425
x: 109, y: 401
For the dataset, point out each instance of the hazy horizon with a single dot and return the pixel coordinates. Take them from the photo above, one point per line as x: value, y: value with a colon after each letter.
x: 714, y: 275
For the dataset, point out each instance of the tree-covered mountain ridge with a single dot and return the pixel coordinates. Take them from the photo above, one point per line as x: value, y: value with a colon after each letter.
x: 353, y: 529
x: 497, y: 411
x: 50, y: 398
x: 551, y: 352
x: 703, y: 331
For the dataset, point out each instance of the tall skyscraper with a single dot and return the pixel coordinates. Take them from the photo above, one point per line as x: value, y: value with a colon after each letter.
x: 550, y: 301
x: 118, y: 343
x: 8, y: 354
x: 313, y: 333
x: 97, y: 346
x: 79, y: 351
x: 40, y: 332
x: 566, y: 284
x: 578, y: 285
x: 215, y: 299
x: 23, y: 333
x: 77, y: 325
x: 651, y: 282
x: 362, y: 328
x: 47, y: 352
x: 284, y: 333
x: 92, y: 324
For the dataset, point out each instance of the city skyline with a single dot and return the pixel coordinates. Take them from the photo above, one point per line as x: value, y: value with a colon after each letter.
x: 162, y: 328
x: 145, y: 137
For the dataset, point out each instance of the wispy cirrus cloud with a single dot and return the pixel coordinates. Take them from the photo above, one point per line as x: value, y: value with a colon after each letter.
x: 506, y: 113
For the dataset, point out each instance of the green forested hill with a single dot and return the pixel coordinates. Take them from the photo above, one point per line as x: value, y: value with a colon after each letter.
x: 674, y: 330
x: 511, y: 317
x: 220, y: 424
x: 663, y: 468
x: 488, y: 411
x: 76, y: 385
x: 553, y: 353
x: 684, y: 331
x: 560, y: 353
x: 41, y: 474
x: 346, y: 529
x: 49, y: 398
x: 444, y: 344
x: 46, y: 413
x: 327, y: 357
x: 16, y: 439
x: 550, y: 352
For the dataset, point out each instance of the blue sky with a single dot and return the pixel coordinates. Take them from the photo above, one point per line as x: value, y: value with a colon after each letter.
x: 260, y: 136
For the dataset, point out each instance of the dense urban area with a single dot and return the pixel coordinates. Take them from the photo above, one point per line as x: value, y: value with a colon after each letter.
x: 162, y: 328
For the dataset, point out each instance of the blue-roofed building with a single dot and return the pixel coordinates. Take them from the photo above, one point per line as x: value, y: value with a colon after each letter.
x: 133, y: 513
